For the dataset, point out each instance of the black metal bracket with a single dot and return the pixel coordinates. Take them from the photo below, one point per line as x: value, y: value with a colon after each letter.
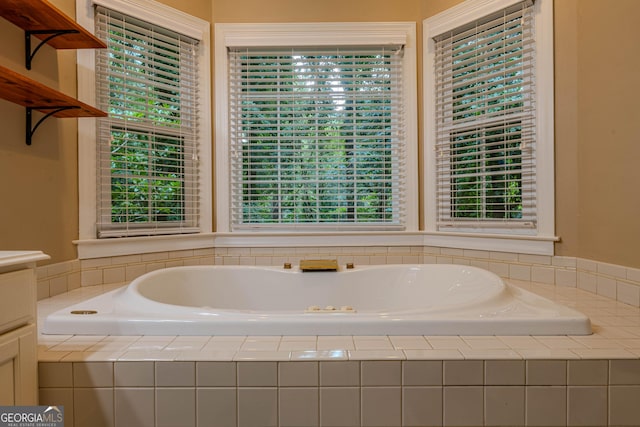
x: 29, y: 130
x: 28, y: 54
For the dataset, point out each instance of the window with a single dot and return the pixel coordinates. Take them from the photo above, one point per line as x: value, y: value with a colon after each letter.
x: 491, y: 160
x: 145, y: 170
x: 318, y: 135
x: 147, y: 82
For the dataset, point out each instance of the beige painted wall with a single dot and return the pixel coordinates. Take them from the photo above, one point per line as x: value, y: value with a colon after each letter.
x: 597, y: 134
x: 597, y: 203
x: 38, y: 190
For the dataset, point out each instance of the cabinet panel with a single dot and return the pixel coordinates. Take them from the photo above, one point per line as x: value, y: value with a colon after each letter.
x: 9, y: 368
x: 18, y: 287
x: 7, y: 383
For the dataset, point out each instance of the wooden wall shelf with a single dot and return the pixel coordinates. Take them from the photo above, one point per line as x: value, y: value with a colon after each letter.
x: 34, y: 95
x: 44, y: 21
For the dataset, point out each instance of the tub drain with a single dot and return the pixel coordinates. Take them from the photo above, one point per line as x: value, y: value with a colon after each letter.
x: 84, y: 312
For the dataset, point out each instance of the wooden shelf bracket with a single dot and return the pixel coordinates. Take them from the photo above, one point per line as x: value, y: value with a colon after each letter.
x: 28, y: 53
x: 29, y: 131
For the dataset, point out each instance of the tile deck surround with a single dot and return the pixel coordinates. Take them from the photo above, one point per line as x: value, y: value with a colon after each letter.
x: 616, y: 328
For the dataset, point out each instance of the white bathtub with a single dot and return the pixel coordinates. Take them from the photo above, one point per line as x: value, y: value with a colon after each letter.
x: 368, y: 300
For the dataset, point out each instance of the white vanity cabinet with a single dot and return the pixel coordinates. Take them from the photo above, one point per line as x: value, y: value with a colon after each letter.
x: 18, y: 331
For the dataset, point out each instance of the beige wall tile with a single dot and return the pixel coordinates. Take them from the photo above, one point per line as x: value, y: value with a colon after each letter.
x: 339, y: 406
x: 216, y: 407
x: 216, y: 374
x: 134, y: 374
x: 43, y: 289
x: 587, y: 406
x: 298, y: 407
x: 257, y: 374
x: 134, y: 407
x: 93, y: 374
x: 606, y: 287
x: 624, y: 372
x: 114, y: 275
x: 422, y: 373
x: 93, y: 407
x: 566, y: 277
x: 546, y: 406
x: 546, y: 372
x: 504, y: 406
x: 587, y: 265
x: 463, y: 406
x: 623, y: 406
x: 134, y: 271
x: 257, y: 407
x: 504, y: 372
x: 175, y: 407
x: 519, y: 272
x: 298, y: 374
x: 564, y: 261
x: 155, y: 256
x: 421, y: 406
x: 628, y: 293
x: 74, y: 280
x: 472, y: 253
x: 612, y: 270
x: 503, y: 256
x: 340, y: 373
x: 499, y: 268
x: 463, y: 372
x: 175, y: 374
x: 58, y: 285
x: 588, y: 372
x: 91, y: 263
x: 381, y: 373
x: 91, y: 277
x: 587, y: 281
x: 543, y: 275
x: 534, y: 259
x: 59, y: 397
x: 381, y: 406
x: 56, y: 375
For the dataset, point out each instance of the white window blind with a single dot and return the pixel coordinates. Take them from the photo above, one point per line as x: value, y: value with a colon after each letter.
x: 485, y: 123
x: 317, y: 138
x: 147, y: 151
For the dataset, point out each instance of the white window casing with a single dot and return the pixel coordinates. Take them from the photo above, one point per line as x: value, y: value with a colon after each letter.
x: 243, y: 39
x: 147, y: 14
x: 489, y: 135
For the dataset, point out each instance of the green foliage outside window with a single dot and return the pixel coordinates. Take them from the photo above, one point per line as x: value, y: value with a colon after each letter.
x: 147, y: 158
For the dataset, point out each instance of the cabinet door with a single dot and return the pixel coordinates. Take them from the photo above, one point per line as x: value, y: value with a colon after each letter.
x: 18, y: 367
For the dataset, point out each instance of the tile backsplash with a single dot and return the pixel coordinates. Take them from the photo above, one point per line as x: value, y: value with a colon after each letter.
x: 612, y: 281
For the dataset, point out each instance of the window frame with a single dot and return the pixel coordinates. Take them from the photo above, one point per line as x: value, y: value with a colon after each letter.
x: 89, y: 246
x: 523, y: 240
x: 311, y: 34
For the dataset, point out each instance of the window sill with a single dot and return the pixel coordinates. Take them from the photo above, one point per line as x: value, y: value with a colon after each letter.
x: 100, y: 248
x: 317, y: 239
x: 520, y: 244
